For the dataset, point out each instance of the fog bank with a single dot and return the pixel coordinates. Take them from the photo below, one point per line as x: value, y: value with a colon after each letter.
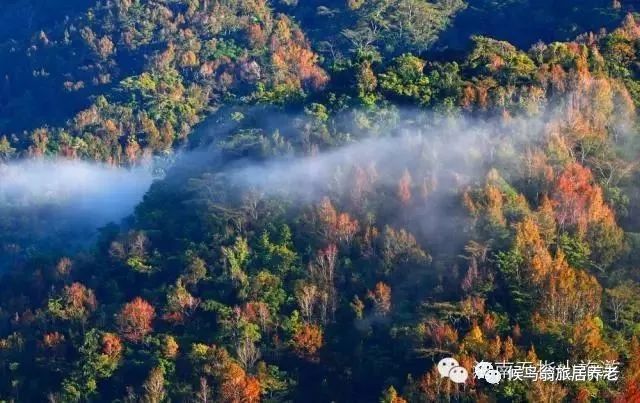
x: 42, y: 199
x: 102, y: 192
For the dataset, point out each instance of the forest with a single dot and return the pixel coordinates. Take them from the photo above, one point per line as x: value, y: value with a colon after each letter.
x: 245, y: 201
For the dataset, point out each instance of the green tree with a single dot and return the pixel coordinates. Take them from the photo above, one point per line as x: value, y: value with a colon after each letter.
x: 406, y: 80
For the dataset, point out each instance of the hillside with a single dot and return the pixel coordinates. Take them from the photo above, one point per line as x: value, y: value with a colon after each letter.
x: 251, y: 200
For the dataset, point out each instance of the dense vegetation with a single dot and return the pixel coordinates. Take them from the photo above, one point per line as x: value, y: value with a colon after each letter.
x: 363, y: 188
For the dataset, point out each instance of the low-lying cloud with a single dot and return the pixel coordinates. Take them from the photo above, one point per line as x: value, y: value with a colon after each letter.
x: 97, y: 193
x: 462, y: 148
x: 57, y: 204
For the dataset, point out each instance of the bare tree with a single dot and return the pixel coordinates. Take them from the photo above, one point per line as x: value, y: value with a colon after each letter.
x: 307, y: 297
x: 248, y: 354
x: 154, y: 387
x: 262, y: 311
x: 204, y: 394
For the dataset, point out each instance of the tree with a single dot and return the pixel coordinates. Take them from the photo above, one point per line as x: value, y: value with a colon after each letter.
x: 277, y: 252
x: 154, y: 390
x: 53, y: 341
x: 307, y: 340
x: 111, y: 346
x: 404, y: 188
x: 398, y: 25
x: 418, y: 23
x: 569, y: 295
x: 630, y: 388
x: 6, y: 151
x: 237, y: 387
x: 367, y: 83
x: 501, y: 60
x: 580, y: 206
x: 294, y: 63
x: 195, y: 271
x: 248, y: 353
x: 99, y: 358
x: 390, y: 395
x: 532, y: 248
x: 588, y: 343
x: 237, y: 257
x: 307, y: 297
x: 623, y: 304
x: 406, y: 80
x: 135, y: 319
x: 170, y: 347
x: 76, y: 303
x: 322, y: 273
x: 430, y: 387
x: 399, y: 248
x: 380, y: 296
x: 546, y: 392
x: 63, y: 268
x: 573, y: 193
x: 180, y: 303
x: 334, y: 226
x: 101, y: 354
x: 439, y: 334
x: 268, y: 288
x: 204, y: 393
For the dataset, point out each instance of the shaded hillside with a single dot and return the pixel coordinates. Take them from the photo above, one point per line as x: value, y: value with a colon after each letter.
x: 524, y: 22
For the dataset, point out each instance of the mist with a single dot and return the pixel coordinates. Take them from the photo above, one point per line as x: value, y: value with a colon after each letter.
x: 107, y: 193
x: 456, y: 149
x: 70, y: 199
x: 444, y: 156
x: 58, y: 203
x: 452, y: 150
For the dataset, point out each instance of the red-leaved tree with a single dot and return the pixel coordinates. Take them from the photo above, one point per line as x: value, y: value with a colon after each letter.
x: 135, y: 319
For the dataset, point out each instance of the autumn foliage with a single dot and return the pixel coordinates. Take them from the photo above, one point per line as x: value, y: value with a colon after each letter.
x: 307, y: 341
x: 480, y: 204
x: 77, y: 302
x: 295, y: 64
x: 135, y: 319
x: 335, y: 226
x: 578, y: 201
x: 111, y: 345
x: 238, y: 387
